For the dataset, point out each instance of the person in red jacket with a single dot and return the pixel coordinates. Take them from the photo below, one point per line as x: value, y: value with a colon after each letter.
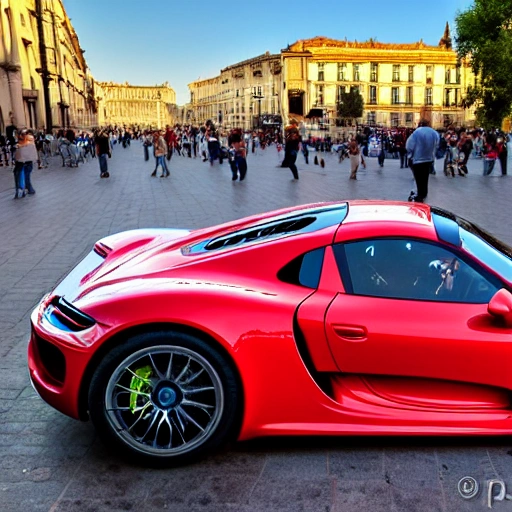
x: 490, y: 151
x: 170, y: 139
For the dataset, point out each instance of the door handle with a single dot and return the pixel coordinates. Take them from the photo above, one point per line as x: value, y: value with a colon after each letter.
x: 350, y: 332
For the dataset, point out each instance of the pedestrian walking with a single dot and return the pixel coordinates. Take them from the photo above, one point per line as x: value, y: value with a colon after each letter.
x: 490, y: 151
x: 305, y: 151
x: 4, y: 151
x: 291, y: 148
x: 103, y: 151
x: 501, y: 145
x: 160, y: 152
x: 237, y: 154
x: 25, y: 155
x: 355, y: 157
x: 421, y: 147
x: 147, y: 142
x: 465, y: 147
x: 382, y: 153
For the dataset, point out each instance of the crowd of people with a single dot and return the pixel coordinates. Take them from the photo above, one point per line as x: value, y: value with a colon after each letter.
x: 21, y: 149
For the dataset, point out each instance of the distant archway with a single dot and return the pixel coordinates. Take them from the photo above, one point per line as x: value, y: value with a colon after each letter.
x: 296, y: 102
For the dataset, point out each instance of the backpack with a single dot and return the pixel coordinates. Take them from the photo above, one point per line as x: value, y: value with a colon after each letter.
x: 441, y: 149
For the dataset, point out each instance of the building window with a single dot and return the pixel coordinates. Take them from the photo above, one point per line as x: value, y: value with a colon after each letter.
x: 429, y: 74
x: 409, y: 96
x: 320, y: 94
x: 411, y: 73
x: 395, y: 95
x: 372, y: 97
x: 428, y: 96
x: 408, y: 119
x: 396, y: 72
x: 356, y: 72
x: 343, y: 89
x: 342, y: 72
x: 372, y: 118
x: 320, y: 71
x: 447, y: 97
x: 457, y: 75
x: 447, y: 75
x: 374, y: 72
x: 237, y: 93
x: 395, y: 119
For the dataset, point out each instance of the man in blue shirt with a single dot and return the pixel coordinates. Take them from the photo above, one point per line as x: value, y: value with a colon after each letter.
x: 421, y: 147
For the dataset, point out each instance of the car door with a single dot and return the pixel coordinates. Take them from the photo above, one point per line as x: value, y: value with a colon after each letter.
x: 415, y: 308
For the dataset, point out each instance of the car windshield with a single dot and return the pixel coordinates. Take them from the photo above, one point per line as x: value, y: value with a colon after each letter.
x: 489, y: 250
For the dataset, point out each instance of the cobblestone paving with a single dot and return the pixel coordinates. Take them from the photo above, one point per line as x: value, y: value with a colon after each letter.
x: 51, y: 463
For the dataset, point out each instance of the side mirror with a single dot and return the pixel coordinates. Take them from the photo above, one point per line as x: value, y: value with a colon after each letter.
x: 501, y: 306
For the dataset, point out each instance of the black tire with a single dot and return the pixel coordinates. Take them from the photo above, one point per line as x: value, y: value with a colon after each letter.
x: 164, y: 398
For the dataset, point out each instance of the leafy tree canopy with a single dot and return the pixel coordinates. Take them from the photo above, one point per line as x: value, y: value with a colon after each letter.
x: 484, y: 36
x: 350, y: 104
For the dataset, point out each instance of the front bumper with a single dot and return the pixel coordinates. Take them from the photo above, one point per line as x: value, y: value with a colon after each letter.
x: 57, y: 361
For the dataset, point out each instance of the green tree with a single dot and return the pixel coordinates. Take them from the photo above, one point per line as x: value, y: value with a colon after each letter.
x: 350, y: 105
x: 484, y: 36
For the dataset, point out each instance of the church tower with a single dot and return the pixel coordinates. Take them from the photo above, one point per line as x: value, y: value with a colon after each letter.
x: 446, y: 40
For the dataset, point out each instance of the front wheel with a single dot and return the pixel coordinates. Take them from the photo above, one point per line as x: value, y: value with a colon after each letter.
x: 164, y: 398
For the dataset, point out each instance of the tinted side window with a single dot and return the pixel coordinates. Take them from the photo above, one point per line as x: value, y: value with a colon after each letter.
x: 411, y: 269
x: 311, y: 268
x: 304, y: 270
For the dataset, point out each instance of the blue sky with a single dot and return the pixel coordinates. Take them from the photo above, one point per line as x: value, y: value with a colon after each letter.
x: 146, y: 42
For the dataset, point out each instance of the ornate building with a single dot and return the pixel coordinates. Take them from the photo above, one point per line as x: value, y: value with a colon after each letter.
x: 399, y: 82
x: 44, y: 79
x: 245, y: 94
x: 136, y: 105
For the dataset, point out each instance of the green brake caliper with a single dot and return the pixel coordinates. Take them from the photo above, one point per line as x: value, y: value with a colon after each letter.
x: 141, y: 383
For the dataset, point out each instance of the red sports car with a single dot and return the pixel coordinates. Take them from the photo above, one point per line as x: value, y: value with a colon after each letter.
x: 361, y: 317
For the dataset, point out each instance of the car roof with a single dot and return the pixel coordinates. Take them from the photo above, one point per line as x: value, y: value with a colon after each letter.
x: 388, y: 211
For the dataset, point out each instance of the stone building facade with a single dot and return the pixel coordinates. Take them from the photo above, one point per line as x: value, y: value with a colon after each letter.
x: 44, y: 79
x: 246, y: 94
x: 399, y: 82
x: 136, y: 105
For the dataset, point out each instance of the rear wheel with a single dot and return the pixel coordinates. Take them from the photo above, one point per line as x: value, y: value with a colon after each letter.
x: 164, y: 398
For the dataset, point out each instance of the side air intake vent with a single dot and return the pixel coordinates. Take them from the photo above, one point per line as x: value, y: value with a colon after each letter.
x: 294, y: 223
x: 258, y: 233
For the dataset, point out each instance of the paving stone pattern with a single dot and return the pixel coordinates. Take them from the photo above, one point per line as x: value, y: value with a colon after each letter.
x: 49, y: 462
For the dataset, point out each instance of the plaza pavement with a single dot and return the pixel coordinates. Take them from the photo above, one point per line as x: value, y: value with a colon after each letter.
x: 49, y: 462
